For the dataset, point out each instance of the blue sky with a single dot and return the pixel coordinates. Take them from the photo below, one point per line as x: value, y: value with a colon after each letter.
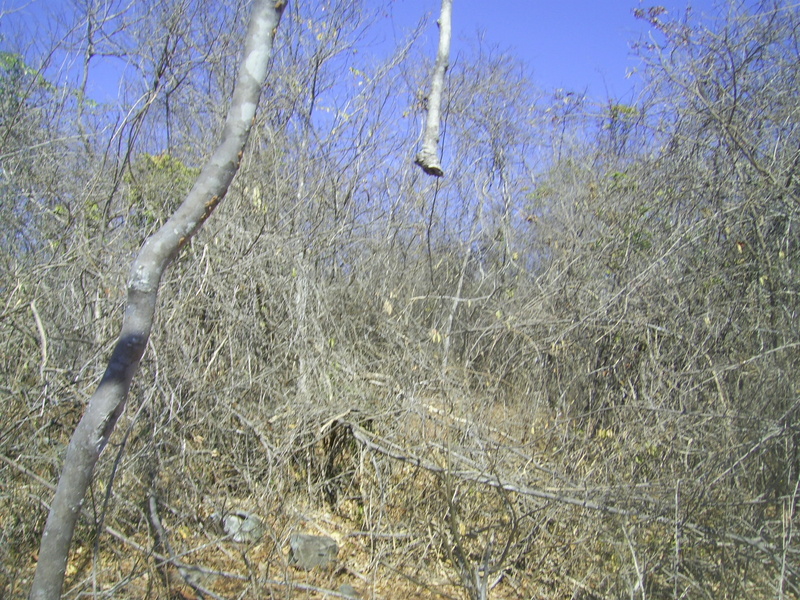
x: 576, y: 45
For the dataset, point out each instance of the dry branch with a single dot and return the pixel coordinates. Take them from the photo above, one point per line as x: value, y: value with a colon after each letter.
x: 392, y: 450
x: 396, y: 452
x: 428, y: 156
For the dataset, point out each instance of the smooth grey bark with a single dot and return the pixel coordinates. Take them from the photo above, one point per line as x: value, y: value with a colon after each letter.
x: 107, y: 403
x: 428, y: 156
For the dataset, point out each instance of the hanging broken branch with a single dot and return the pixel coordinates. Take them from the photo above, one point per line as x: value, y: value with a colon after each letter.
x: 428, y: 156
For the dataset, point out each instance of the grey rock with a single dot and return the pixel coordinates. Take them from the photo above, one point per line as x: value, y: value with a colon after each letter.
x: 348, y: 590
x: 243, y: 527
x: 309, y: 551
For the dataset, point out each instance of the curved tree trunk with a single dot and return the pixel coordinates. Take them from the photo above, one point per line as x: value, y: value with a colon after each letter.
x: 428, y: 156
x: 108, y: 401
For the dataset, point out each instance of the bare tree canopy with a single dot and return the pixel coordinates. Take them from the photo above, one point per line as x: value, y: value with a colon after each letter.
x: 566, y: 370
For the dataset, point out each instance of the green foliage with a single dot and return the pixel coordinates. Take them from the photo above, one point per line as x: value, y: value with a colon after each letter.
x: 14, y: 66
x: 18, y: 82
x: 622, y: 111
x: 157, y: 185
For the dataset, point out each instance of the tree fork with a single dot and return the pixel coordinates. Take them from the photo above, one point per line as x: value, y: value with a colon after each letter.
x: 108, y: 401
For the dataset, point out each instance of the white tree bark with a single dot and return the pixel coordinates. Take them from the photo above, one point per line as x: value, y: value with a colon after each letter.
x: 428, y: 156
x: 107, y: 403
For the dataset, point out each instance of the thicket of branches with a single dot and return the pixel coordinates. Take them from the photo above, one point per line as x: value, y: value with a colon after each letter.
x: 564, y: 370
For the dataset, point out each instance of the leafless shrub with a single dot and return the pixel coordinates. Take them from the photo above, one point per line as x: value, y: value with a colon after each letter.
x: 566, y: 370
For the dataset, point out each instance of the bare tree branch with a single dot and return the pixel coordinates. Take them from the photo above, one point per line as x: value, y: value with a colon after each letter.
x: 428, y: 156
x: 106, y: 405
